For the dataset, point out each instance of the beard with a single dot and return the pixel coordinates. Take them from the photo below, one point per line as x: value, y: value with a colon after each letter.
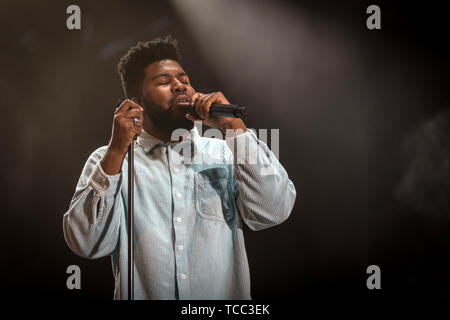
x: 169, y: 119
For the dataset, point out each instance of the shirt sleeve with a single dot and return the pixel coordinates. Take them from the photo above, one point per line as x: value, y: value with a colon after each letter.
x: 265, y: 195
x: 91, y: 225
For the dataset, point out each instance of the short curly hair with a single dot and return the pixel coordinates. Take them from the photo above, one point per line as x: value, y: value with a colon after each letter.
x: 131, y: 65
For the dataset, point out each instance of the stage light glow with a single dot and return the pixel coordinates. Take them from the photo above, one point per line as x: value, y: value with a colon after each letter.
x: 267, y: 49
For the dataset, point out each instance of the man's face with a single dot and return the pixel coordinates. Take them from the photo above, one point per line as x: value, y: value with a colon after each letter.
x: 166, y: 95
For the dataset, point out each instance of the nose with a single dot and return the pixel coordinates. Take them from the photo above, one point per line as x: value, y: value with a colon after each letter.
x: 179, y: 87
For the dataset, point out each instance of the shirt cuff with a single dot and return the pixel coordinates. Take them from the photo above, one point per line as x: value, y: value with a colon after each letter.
x: 102, y: 183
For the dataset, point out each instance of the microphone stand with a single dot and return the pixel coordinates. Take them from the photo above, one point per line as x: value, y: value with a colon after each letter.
x: 131, y: 220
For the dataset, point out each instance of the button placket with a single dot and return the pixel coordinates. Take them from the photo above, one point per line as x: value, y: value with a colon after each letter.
x: 180, y: 199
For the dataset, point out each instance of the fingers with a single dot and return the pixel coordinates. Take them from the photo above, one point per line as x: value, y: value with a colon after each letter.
x: 127, y: 105
x: 134, y: 113
x: 127, y: 112
x: 203, y: 102
x: 137, y: 128
x: 125, y: 116
x: 127, y: 125
x: 194, y: 100
x: 130, y: 115
x: 131, y: 126
x: 195, y: 96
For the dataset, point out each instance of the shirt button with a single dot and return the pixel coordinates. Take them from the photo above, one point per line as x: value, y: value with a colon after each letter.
x: 180, y: 247
x: 178, y: 195
x: 176, y: 169
x: 179, y: 219
x: 183, y: 276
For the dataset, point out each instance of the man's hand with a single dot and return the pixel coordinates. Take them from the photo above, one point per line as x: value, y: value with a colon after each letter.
x: 127, y: 123
x: 202, y: 103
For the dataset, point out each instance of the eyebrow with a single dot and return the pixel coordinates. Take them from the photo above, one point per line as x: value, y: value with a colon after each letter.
x: 167, y: 75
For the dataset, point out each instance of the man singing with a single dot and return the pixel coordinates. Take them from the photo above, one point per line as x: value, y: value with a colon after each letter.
x: 189, y: 215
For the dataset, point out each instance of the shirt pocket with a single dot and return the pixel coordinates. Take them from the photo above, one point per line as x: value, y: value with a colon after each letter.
x: 213, y: 194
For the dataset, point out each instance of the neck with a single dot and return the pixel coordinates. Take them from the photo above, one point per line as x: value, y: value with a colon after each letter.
x: 150, y: 127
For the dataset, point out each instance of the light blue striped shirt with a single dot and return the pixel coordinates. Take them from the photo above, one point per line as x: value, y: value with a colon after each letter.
x: 189, y: 214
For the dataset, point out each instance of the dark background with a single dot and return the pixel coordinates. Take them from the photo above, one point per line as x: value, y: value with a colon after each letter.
x: 363, y: 118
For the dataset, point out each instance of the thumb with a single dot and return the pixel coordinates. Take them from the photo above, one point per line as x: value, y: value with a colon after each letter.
x: 193, y: 118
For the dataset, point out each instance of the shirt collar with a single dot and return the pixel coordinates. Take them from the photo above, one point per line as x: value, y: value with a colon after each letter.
x: 149, y: 142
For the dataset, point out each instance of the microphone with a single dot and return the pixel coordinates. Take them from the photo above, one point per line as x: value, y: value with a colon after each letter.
x: 223, y: 110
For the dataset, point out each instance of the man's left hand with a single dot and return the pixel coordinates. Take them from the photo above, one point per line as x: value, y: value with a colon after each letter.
x: 202, y: 102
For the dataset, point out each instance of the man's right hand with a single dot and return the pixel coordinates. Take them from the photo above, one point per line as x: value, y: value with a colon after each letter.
x: 125, y: 128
